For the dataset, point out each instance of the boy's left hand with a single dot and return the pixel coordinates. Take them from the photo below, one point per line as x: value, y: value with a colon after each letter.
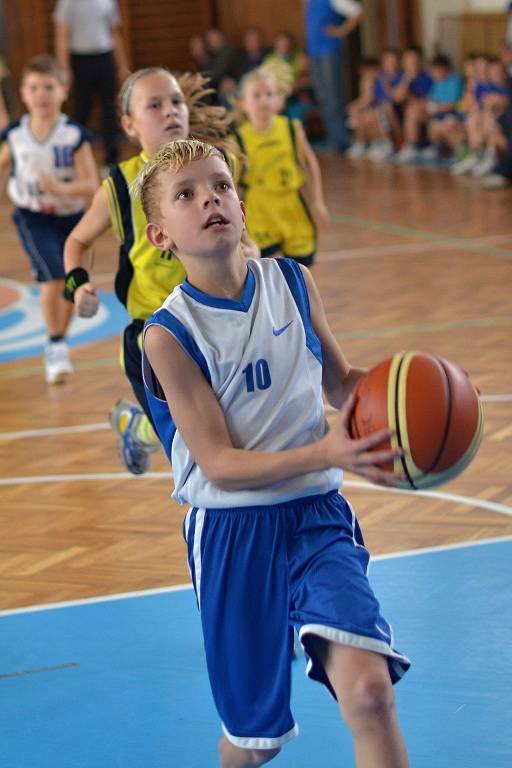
x: 49, y: 183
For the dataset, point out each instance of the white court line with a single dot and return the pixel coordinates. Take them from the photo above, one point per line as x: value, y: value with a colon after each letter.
x: 470, y: 501
x: 104, y: 425
x: 183, y: 587
x: 48, y: 431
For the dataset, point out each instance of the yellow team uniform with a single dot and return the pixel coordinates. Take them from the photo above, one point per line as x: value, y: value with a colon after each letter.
x: 277, y: 216
x: 145, y: 276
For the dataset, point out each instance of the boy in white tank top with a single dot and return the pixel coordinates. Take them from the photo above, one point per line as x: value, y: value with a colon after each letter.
x: 234, y: 366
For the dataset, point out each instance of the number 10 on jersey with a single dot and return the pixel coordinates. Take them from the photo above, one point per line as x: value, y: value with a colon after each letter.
x: 257, y: 376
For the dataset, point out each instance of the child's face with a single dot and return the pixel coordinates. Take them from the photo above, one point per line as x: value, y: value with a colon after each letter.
x: 200, y: 213
x: 481, y: 67
x: 42, y: 94
x: 158, y: 112
x: 282, y: 45
x: 439, y: 73
x: 261, y: 99
x: 469, y: 69
x: 390, y: 63
x: 497, y: 74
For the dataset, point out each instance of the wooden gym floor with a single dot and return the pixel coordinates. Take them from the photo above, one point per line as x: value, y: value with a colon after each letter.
x: 415, y: 259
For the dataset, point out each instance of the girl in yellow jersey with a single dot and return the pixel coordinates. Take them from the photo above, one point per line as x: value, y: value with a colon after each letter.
x: 280, y: 162
x: 155, y: 108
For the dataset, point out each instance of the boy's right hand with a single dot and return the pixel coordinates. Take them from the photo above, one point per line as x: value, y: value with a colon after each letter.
x: 86, y: 300
x: 357, y: 455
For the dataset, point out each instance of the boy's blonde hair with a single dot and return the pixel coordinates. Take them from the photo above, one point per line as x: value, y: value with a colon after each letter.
x: 172, y: 157
x: 43, y: 65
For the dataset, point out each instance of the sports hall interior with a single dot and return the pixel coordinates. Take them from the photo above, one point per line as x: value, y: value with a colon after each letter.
x: 415, y: 259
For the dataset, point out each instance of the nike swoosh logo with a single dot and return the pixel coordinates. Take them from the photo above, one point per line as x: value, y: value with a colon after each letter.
x: 279, y: 331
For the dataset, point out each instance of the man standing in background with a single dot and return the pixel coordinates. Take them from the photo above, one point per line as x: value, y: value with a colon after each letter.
x: 328, y: 23
x: 89, y: 47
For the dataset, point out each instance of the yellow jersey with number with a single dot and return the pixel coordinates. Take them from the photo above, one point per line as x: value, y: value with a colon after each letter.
x: 273, y: 162
x: 145, y: 275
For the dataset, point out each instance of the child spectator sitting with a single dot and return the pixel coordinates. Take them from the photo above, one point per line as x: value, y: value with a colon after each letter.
x: 253, y: 51
x: 411, y: 96
x: 442, y: 105
x: 485, y: 137
x: 382, y: 118
x: 358, y: 109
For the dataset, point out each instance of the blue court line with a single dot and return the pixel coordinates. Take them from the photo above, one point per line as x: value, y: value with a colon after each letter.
x: 122, y: 682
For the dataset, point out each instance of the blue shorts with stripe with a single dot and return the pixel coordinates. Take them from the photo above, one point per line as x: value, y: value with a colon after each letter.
x: 261, y: 572
x: 43, y: 236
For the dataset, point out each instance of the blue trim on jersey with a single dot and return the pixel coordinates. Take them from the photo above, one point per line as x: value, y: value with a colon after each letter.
x: 165, y: 319
x: 242, y: 305
x: 85, y: 133
x: 297, y: 285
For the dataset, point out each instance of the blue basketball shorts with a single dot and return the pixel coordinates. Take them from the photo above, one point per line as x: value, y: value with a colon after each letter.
x: 43, y: 236
x: 258, y: 574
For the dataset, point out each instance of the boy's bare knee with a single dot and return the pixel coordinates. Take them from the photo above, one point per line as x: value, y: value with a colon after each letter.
x: 262, y: 756
x: 370, y: 699
x: 236, y: 757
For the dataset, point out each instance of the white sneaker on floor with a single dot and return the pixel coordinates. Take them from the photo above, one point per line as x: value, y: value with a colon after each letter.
x: 486, y: 164
x: 429, y: 153
x: 381, y: 151
x: 466, y: 165
x: 57, y: 364
x: 408, y: 154
x: 357, y: 150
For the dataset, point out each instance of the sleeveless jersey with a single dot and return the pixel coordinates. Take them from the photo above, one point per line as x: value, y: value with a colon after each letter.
x: 145, y: 276
x: 263, y: 360
x: 273, y: 161
x: 54, y: 155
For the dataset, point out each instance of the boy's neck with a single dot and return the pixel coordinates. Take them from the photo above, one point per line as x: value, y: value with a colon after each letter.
x: 42, y: 125
x: 223, y: 277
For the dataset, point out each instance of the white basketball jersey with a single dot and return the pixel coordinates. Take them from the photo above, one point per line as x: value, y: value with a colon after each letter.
x: 264, y: 362
x: 54, y: 155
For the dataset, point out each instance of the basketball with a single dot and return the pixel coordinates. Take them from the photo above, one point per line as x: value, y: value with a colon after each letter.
x: 433, y: 410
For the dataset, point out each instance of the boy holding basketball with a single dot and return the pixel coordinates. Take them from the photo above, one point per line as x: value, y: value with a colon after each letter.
x: 234, y: 365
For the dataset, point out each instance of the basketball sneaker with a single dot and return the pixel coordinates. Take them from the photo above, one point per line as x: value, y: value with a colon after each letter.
x: 57, y: 365
x: 124, y: 419
x: 356, y: 150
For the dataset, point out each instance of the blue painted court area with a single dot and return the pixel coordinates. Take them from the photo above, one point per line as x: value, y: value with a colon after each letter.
x: 123, y: 682
x: 22, y: 328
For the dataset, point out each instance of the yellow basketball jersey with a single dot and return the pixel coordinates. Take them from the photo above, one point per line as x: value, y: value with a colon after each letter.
x: 145, y: 276
x: 273, y: 162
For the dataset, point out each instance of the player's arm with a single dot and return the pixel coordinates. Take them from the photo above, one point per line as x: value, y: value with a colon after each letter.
x: 350, y: 8
x: 200, y: 420
x: 86, y: 178
x: 5, y: 165
x: 93, y: 223
x: 308, y: 157
x: 62, y: 49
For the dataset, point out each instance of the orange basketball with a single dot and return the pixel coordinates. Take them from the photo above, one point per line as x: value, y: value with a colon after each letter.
x: 433, y: 409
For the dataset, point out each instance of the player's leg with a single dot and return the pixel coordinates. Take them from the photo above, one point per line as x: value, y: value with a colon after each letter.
x: 348, y: 641
x: 234, y: 757
x: 363, y: 688
x: 132, y: 422
x: 238, y: 564
x: 41, y: 239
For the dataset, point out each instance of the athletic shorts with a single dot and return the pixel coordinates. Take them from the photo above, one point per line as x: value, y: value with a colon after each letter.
x: 258, y: 574
x: 281, y: 222
x: 131, y: 362
x: 43, y: 236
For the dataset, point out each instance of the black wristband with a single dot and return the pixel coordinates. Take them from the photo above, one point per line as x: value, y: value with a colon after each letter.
x: 73, y: 280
